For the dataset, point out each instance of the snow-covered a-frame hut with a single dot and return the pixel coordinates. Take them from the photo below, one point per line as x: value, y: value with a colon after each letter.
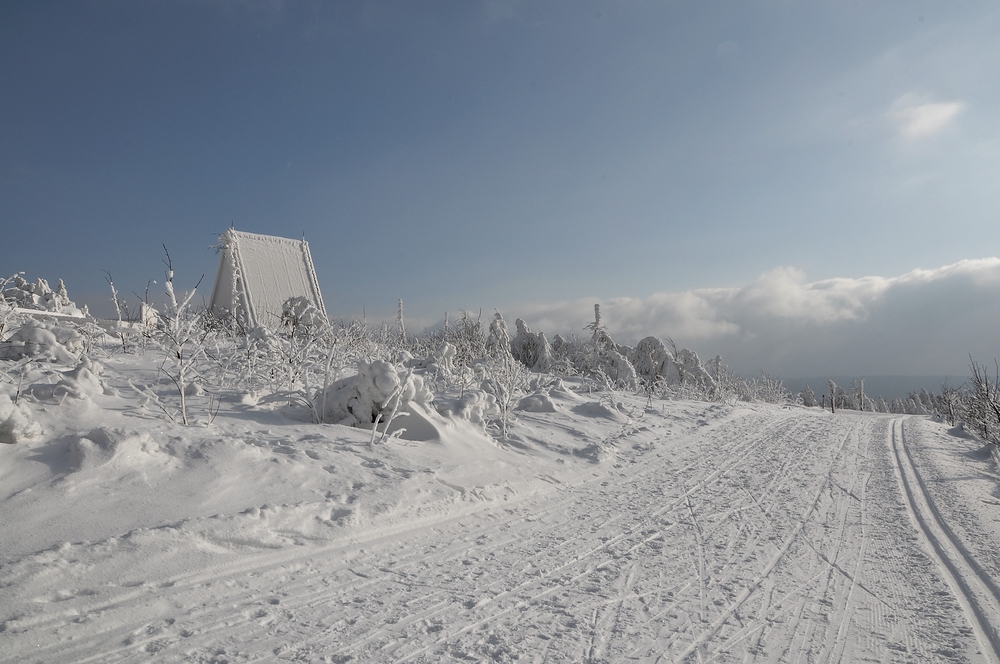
x: 259, y: 273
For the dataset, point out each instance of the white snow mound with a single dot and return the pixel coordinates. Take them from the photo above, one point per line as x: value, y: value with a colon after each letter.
x: 539, y: 402
x: 43, y: 341
x: 103, y: 445
x: 597, y: 409
x: 79, y: 383
x: 16, y: 422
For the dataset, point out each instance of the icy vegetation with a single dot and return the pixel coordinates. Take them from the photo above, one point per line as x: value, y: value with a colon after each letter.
x: 183, y: 487
x: 39, y: 296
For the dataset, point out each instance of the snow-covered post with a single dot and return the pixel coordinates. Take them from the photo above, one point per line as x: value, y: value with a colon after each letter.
x: 833, y: 396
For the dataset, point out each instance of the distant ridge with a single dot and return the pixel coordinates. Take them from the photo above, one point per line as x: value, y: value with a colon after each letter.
x: 888, y: 387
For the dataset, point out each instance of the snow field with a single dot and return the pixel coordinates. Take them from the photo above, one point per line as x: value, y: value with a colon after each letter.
x: 606, y: 526
x: 601, y: 531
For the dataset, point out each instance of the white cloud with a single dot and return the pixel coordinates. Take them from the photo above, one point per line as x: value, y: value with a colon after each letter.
x: 920, y: 120
x: 926, y: 321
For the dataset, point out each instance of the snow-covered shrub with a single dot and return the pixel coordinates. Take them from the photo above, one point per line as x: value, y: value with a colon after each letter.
x: 438, y: 366
x: 181, y: 338
x: 808, y: 397
x: 298, y: 313
x: 16, y: 422
x: 538, y: 401
x: 9, y: 316
x: 21, y: 293
x: 498, y: 338
x: 377, y: 392
x: 505, y: 379
x: 44, y: 341
x: 530, y: 349
x: 469, y: 340
x: 653, y: 362
x: 914, y: 406
x: 302, y: 326
x: 691, y: 369
x: 476, y: 406
x: 617, y: 370
x: 766, y: 390
x: 439, y: 359
x: 83, y: 382
x: 950, y: 405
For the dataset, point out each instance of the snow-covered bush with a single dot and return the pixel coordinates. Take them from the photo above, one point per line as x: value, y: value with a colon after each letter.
x: 653, y: 362
x: 181, y: 338
x: 16, y: 422
x: 981, y: 410
x: 44, y: 341
x: 766, y: 390
x: 82, y: 382
x: 21, y: 293
x: 9, y: 316
x: 302, y: 326
x: 808, y: 397
x: 505, y: 379
x: 469, y: 340
x: 476, y: 406
x: 438, y: 366
x: 375, y: 394
x: 530, y: 349
x: 498, y: 338
x: 617, y: 371
x: 298, y: 313
x: 950, y: 405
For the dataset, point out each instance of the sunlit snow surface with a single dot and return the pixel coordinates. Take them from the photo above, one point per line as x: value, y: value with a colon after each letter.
x: 607, y: 529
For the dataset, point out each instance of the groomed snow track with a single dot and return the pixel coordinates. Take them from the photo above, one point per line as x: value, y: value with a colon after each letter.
x: 753, y: 536
x: 975, y: 591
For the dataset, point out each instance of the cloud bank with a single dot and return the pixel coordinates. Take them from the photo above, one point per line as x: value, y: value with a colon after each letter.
x: 926, y: 321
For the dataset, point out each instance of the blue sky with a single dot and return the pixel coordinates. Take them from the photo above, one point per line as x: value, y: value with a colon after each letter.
x: 509, y: 155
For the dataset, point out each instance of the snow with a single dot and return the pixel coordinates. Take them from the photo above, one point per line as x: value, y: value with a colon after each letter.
x: 607, y: 527
x: 16, y: 422
x: 47, y: 341
x: 19, y: 293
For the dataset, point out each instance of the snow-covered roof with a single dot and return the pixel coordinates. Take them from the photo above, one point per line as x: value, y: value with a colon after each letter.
x: 259, y: 273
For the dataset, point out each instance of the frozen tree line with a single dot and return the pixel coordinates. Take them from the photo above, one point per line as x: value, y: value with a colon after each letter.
x: 358, y: 374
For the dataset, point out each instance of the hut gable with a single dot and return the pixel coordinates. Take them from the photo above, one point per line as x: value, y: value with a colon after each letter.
x: 259, y: 273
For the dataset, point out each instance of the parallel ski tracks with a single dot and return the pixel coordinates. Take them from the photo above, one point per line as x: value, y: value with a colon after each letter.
x: 975, y: 591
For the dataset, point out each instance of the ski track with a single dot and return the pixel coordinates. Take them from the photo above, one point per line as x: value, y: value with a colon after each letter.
x: 778, y: 535
x: 975, y: 591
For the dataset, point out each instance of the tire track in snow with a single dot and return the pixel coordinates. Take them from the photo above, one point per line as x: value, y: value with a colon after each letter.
x: 976, y: 594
